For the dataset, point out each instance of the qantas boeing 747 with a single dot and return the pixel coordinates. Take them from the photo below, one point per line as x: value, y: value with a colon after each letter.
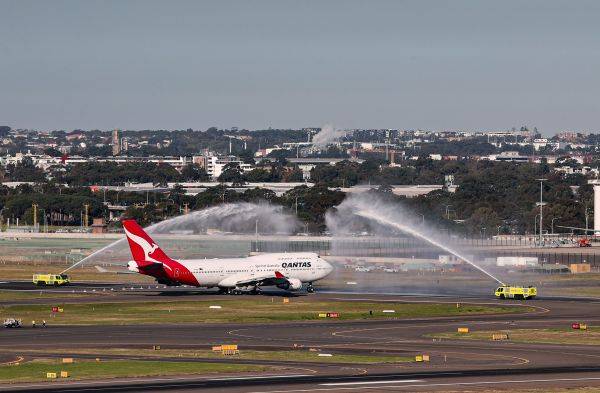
x: 287, y: 271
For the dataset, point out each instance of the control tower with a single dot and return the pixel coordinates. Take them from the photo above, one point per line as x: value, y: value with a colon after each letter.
x: 596, y: 184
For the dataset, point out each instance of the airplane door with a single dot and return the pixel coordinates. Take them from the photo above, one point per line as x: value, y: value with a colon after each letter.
x: 176, y: 272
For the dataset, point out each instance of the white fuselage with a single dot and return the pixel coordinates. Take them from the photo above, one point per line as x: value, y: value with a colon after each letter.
x: 225, y: 272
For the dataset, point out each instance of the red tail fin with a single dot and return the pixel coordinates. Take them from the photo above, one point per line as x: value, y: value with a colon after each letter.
x: 143, y: 249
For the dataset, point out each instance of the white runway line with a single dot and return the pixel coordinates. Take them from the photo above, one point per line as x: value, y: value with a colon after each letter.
x: 372, y: 382
x: 259, y: 377
x: 97, y: 385
x: 425, y: 385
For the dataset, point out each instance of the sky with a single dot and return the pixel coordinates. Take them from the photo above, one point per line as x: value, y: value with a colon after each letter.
x: 470, y: 65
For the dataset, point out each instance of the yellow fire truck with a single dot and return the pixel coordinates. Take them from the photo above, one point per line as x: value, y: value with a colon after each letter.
x: 51, y: 279
x: 516, y: 292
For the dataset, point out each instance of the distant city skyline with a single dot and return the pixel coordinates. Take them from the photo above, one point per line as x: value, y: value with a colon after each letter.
x: 443, y: 65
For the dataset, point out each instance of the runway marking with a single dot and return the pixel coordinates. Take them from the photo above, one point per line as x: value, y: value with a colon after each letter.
x: 93, y: 384
x: 415, y: 385
x: 541, y: 310
x: 18, y: 360
x: 259, y: 377
x: 372, y: 382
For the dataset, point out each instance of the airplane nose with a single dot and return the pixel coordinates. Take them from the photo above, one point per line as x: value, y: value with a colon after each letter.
x: 328, y: 267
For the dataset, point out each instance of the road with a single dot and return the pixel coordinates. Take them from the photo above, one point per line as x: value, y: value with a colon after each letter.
x: 454, y: 364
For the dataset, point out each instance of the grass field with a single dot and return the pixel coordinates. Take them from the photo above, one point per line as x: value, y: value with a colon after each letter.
x: 591, y: 291
x: 36, y: 370
x: 25, y: 271
x: 297, y: 355
x: 20, y: 295
x: 255, y: 309
x: 566, y: 335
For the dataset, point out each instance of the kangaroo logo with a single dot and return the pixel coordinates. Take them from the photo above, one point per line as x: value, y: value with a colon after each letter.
x: 146, y: 246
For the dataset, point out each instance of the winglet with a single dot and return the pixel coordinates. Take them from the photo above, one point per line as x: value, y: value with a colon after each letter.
x: 279, y: 275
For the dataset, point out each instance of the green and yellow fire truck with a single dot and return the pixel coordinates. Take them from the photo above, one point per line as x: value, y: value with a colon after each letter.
x: 51, y: 279
x: 516, y: 292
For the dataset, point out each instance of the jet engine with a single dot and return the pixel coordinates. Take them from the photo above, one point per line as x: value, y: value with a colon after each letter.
x: 292, y: 284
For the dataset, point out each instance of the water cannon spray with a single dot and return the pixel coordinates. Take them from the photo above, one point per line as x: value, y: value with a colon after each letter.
x: 381, y: 218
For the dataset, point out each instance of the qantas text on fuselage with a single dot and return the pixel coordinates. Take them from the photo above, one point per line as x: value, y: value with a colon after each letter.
x: 284, y: 270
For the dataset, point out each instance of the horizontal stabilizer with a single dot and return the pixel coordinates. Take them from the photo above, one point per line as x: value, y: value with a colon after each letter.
x: 103, y: 270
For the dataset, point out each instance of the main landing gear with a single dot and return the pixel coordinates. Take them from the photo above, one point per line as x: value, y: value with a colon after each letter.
x: 238, y: 291
x: 255, y: 291
x: 310, y: 288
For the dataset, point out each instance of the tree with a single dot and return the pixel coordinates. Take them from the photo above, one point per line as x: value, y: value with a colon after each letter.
x: 258, y: 175
x: 25, y: 170
x: 483, y: 220
x: 232, y: 173
x: 52, y: 152
x: 214, y: 196
x: 295, y: 175
x: 259, y: 194
x: 194, y: 172
x: 312, y: 202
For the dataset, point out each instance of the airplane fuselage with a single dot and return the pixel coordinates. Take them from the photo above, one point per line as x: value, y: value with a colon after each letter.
x: 227, y: 272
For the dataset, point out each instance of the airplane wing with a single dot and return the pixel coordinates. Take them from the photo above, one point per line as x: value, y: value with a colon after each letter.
x: 276, y: 278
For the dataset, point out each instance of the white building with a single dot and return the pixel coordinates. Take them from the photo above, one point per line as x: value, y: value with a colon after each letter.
x: 517, y: 261
x: 215, y: 165
x: 540, y: 143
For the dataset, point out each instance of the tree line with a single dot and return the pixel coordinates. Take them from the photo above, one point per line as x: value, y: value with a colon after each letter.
x: 491, y: 197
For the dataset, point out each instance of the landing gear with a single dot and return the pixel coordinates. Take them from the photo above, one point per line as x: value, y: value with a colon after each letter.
x: 255, y: 291
x: 239, y: 291
x: 235, y: 291
x: 310, y: 288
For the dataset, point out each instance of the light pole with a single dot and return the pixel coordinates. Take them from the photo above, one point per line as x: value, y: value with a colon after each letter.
x: 586, y: 219
x: 45, y: 220
x: 552, y: 223
x: 535, y: 224
x: 448, y: 211
x: 541, y: 205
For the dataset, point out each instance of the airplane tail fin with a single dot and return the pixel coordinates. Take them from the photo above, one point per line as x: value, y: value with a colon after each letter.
x: 143, y: 249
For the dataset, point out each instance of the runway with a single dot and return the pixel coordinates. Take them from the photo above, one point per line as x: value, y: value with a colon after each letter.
x: 454, y: 363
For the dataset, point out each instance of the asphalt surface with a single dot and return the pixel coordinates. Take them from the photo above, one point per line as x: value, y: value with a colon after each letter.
x: 455, y: 365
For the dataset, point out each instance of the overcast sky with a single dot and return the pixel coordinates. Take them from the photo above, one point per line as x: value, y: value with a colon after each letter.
x: 255, y: 64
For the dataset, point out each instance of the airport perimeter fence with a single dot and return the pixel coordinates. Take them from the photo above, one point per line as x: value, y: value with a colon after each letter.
x: 408, y: 243
x: 415, y: 248
x: 547, y: 258
x: 368, y: 246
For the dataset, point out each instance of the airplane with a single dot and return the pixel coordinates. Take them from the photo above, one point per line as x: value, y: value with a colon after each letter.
x: 288, y: 271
